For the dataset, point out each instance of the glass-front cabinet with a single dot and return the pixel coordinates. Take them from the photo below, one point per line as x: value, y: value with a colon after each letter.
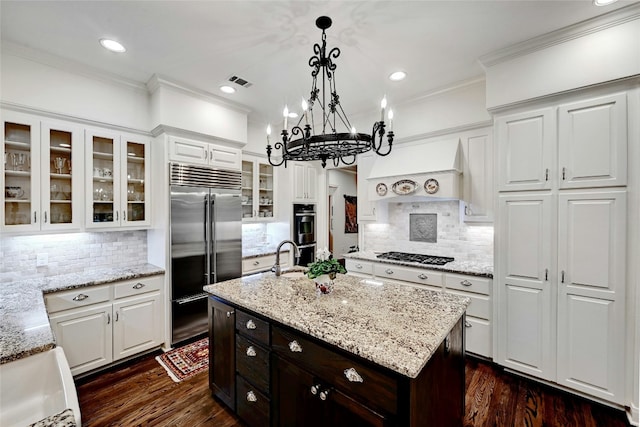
x: 117, y: 185
x: 42, y: 172
x: 258, y: 190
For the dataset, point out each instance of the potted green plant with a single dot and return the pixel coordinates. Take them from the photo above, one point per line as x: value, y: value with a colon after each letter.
x: 323, y: 271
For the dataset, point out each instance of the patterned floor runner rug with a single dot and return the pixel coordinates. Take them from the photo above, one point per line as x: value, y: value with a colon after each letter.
x: 184, y: 362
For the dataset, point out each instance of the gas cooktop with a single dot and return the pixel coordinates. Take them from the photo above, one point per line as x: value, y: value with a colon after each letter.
x: 419, y: 258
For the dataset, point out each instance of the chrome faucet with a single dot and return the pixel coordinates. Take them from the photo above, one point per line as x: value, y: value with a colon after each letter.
x: 276, y: 267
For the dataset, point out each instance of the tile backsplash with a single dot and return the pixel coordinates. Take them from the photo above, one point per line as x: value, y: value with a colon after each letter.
x: 259, y: 238
x: 69, y: 253
x: 454, y: 237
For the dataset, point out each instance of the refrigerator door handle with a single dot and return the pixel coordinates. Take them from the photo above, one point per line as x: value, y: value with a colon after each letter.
x: 212, y: 242
x: 192, y: 298
x: 207, y: 237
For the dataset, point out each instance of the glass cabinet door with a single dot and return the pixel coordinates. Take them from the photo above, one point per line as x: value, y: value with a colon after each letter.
x: 136, y: 183
x: 61, y: 153
x: 101, y: 155
x: 265, y: 187
x: 248, y: 210
x: 21, y: 149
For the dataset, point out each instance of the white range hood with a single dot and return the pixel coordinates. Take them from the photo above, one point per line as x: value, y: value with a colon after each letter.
x: 417, y: 171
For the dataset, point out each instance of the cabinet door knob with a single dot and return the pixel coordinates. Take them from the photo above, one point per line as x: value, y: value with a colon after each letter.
x: 353, y: 376
x: 359, y: 266
x: 422, y: 276
x: 138, y: 285
x: 315, y: 389
x: 229, y: 313
x: 324, y: 394
x: 45, y: 217
x: 124, y: 215
x: 251, y: 324
x: 108, y: 319
x: 251, y: 352
x: 80, y: 297
x: 251, y: 396
x: 388, y: 271
x: 467, y: 324
x: 466, y: 283
x: 294, y: 347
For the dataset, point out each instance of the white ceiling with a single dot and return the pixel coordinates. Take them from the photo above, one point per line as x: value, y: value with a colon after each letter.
x: 269, y: 43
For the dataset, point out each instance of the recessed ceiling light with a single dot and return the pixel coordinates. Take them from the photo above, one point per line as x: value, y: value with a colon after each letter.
x: 397, y: 76
x: 603, y: 2
x: 112, y: 45
x: 227, y: 89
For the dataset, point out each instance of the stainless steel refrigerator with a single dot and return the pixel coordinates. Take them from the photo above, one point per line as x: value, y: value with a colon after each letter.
x: 206, y: 241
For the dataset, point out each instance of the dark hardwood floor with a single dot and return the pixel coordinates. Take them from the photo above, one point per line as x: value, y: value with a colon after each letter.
x: 141, y: 393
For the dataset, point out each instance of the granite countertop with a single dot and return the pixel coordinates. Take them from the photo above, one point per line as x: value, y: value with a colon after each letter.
x: 458, y: 265
x: 25, y: 328
x: 395, y: 326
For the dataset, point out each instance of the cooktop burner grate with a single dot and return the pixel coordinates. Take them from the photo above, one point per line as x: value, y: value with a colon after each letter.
x: 419, y: 258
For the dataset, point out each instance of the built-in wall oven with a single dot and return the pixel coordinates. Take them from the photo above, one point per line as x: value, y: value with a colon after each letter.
x: 304, y: 232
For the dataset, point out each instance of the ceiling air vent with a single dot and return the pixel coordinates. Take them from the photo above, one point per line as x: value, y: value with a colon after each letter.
x: 240, y: 81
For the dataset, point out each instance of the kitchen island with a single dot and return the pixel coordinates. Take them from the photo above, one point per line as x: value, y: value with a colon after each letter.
x: 369, y: 353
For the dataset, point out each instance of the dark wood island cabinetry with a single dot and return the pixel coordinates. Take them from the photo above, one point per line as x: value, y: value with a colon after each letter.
x: 282, y: 375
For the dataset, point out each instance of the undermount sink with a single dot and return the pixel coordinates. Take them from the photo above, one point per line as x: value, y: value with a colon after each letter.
x: 293, y: 274
x: 36, y: 387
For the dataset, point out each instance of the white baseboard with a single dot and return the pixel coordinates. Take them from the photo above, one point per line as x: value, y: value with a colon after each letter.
x: 633, y: 414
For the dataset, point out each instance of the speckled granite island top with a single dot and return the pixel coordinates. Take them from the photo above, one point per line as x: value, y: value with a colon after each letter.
x: 461, y: 266
x: 396, y: 326
x: 25, y: 329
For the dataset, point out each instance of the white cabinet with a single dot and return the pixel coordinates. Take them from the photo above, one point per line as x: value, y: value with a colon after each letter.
x: 526, y: 153
x: 356, y: 267
x: 98, y: 325
x: 305, y: 183
x: 593, y: 149
x: 562, y: 281
x: 428, y: 278
x: 204, y: 153
x: 477, y: 149
x: 576, y: 145
x: 525, y: 332
x: 368, y: 210
x: 118, y: 173
x: 591, y: 292
x: 43, y: 174
x: 263, y: 263
x: 259, y: 190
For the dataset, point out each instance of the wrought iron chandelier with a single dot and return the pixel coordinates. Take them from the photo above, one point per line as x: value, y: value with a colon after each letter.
x: 305, y: 144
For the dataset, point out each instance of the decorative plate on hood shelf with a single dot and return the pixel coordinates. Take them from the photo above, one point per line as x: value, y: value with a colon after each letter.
x: 404, y: 187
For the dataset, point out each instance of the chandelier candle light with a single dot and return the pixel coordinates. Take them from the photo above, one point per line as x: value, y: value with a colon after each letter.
x: 304, y: 144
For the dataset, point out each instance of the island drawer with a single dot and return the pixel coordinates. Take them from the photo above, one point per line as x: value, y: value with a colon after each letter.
x: 357, y: 266
x: 352, y: 377
x: 252, y: 327
x: 479, y: 285
x: 251, y: 405
x: 252, y: 362
x: 137, y: 286
x: 79, y: 297
x: 408, y: 274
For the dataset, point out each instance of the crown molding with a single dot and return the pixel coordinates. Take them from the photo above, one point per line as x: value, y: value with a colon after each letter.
x: 157, y: 81
x: 70, y: 118
x: 444, y: 89
x: 563, y: 35
x: 184, y: 133
x: 70, y: 66
x: 441, y: 132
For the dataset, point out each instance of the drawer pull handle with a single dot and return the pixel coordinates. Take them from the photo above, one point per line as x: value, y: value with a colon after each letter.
x: 315, y: 389
x: 251, y: 324
x: 80, y: 297
x: 251, y: 397
x: 388, y: 271
x: 359, y: 266
x: 256, y: 262
x: 251, y: 352
x: 229, y: 313
x: 138, y: 285
x: 294, y: 347
x: 422, y: 276
x: 353, y: 376
x: 467, y: 324
x: 466, y: 283
x: 324, y: 395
